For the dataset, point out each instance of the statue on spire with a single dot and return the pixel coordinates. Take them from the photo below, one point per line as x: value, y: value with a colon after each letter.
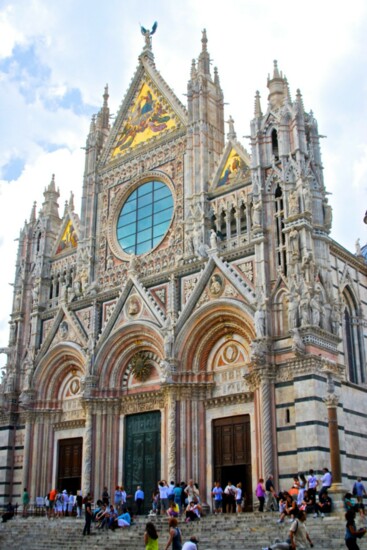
x: 148, y: 34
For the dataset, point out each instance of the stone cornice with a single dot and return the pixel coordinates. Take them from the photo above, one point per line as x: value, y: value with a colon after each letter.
x: 69, y: 424
x: 344, y: 254
x: 225, y: 400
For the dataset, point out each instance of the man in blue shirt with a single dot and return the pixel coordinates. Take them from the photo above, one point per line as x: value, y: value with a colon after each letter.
x: 139, y: 500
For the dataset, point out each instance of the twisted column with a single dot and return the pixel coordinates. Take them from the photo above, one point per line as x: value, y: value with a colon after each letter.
x: 266, y: 427
x: 171, y: 435
x: 87, y: 451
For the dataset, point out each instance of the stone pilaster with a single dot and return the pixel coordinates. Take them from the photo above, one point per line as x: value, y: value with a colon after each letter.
x: 87, y: 451
x: 171, y: 433
x: 27, y: 451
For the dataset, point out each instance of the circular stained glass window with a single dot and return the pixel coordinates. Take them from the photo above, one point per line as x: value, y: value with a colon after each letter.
x: 145, y: 217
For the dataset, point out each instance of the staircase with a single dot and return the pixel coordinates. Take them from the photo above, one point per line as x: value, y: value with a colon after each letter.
x: 250, y: 531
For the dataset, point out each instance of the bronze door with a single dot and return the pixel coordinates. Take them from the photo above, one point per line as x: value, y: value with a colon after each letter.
x: 143, y: 454
x: 69, y: 471
x: 232, y: 453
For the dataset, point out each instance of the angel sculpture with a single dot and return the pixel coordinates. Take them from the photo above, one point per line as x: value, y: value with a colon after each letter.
x: 147, y: 34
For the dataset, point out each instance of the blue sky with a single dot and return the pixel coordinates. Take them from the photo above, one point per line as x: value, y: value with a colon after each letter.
x: 56, y: 57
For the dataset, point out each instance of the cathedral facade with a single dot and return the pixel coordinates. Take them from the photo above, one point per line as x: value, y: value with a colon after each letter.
x: 196, y: 320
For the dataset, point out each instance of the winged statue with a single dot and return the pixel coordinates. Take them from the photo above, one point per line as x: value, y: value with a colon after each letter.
x: 147, y: 34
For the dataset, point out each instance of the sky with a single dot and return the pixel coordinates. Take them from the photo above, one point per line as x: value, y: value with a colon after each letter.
x: 56, y: 57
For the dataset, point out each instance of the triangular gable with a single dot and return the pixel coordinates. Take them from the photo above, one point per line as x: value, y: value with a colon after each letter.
x: 133, y: 304
x: 218, y: 280
x: 65, y: 328
x: 68, y: 236
x: 234, y: 167
x: 150, y: 111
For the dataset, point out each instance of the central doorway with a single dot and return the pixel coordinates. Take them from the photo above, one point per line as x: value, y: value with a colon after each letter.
x: 69, y: 470
x: 232, y: 453
x: 143, y: 455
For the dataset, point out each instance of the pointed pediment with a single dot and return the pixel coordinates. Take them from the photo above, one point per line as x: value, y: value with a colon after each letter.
x: 68, y: 236
x: 234, y: 167
x: 149, y: 114
x: 63, y: 328
x: 135, y: 303
x: 219, y: 280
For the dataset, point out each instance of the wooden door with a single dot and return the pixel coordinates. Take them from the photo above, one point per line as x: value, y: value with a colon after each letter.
x: 232, y: 453
x: 69, y: 470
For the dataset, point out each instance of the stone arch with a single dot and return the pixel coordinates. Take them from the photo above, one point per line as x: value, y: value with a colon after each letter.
x: 207, y: 326
x: 112, y: 361
x: 280, y: 309
x: 60, y: 365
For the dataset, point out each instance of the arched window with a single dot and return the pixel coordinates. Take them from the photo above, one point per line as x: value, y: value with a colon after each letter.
x: 274, y: 144
x: 279, y: 233
x: 353, y: 339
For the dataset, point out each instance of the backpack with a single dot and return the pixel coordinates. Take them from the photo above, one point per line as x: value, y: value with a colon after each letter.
x: 354, y: 490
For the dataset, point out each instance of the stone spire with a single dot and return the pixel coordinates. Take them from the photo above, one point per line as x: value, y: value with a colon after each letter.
x: 71, y: 202
x: 258, y: 112
x: 33, y: 216
x: 276, y: 87
x: 103, y: 117
x: 204, y: 58
x: 50, y: 205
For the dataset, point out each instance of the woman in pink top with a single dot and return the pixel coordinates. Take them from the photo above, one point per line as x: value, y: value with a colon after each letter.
x: 260, y: 493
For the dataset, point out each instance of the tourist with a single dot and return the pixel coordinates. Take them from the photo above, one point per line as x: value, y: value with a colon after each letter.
x: 79, y: 504
x: 25, y: 502
x: 271, y: 497
x: 177, y: 491
x: 193, y: 511
x: 301, y: 489
x: 175, y: 538
x: 289, y: 508
x: 139, y: 500
x: 9, y: 514
x: 312, y: 483
x: 308, y: 503
x: 105, y: 496
x: 191, y: 491
x: 123, y: 520
x: 163, y: 495
x: 173, y: 510
x: 118, y: 498
x: 71, y: 503
x: 65, y: 501
x: 326, y: 482
x: 47, y: 505
x: 155, y: 502
x: 192, y: 544
x: 52, y: 499
x: 88, y: 516
x: 239, y: 497
x: 217, y: 493
x: 150, y: 537
x: 124, y: 498
x: 230, y: 496
x: 59, y: 504
x: 323, y: 506
x: 358, y: 492
x: 298, y: 536
x: 351, y: 531
x: 171, y: 492
x: 260, y: 493
x: 294, y: 490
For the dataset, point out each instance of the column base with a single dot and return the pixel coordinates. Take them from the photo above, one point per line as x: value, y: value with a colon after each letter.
x: 337, y: 492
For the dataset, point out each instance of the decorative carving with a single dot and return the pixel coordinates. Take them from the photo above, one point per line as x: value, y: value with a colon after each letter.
x: 297, y: 346
x: 140, y: 367
x: 216, y: 285
x: 133, y: 306
x: 231, y: 353
x: 247, y: 269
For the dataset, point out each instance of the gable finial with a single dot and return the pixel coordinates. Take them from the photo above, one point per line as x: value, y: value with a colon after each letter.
x: 148, y: 35
x: 231, y: 132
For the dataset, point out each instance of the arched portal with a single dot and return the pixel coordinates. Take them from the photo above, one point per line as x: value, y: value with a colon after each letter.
x: 217, y: 420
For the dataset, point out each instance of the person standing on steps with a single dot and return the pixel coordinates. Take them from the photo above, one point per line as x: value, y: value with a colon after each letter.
x: 151, y: 537
x: 175, y: 538
x: 271, y: 497
x: 351, y: 531
x: 25, y: 502
x: 88, y: 516
x: 260, y: 493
